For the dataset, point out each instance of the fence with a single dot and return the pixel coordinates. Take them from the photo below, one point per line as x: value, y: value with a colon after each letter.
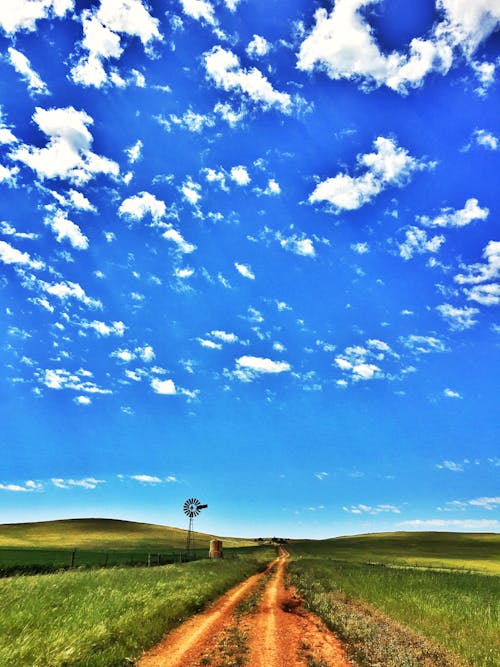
x: 33, y: 561
x: 39, y: 561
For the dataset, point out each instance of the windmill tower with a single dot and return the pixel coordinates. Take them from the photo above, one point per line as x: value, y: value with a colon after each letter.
x: 192, y: 508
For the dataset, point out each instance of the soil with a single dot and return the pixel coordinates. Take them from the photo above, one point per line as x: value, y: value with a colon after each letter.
x: 270, y: 629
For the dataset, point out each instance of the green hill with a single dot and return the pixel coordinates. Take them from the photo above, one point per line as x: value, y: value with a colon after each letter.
x: 102, y: 534
x: 473, y: 551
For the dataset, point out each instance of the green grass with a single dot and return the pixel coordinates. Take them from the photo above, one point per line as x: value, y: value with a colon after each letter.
x: 456, y: 610
x: 105, y: 618
x: 102, y: 534
x: 470, y: 551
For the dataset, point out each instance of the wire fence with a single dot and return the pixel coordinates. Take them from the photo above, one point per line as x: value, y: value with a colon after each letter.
x: 38, y: 561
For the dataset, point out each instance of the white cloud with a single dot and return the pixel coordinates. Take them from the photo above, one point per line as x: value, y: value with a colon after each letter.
x: 423, y: 344
x: 240, y: 175
x: 204, y: 342
x: 146, y: 479
x: 458, y: 318
x: 258, y: 47
x: 343, y: 44
x: 360, y: 248
x: 388, y: 165
x: 372, y: 509
x: 199, y: 10
x: 138, y: 206
x: 17, y: 15
x: 27, y: 487
x: 191, y: 191
x: 177, y: 238
x: 79, y: 381
x: 299, y: 245
x: 67, y: 154
x: 23, y: 67
x: 8, y: 175
x: 454, y: 466
x: 146, y: 353
x: 82, y: 400
x: 103, y: 329
x: 64, y: 228
x: 486, y: 139
x: 449, y: 217
x: 85, y: 483
x: 11, y: 255
x: 229, y: 114
x: 418, y: 243
x: 69, y: 290
x: 273, y: 188
x: 482, y: 525
x: 194, y: 122
x: 245, y: 270
x: 101, y: 29
x: 358, y: 362
x: 134, y: 153
x: 450, y: 393
x: 483, y: 276
x: 165, y: 387
x: 321, y: 475
x: 224, y: 68
x: 224, y: 336
x: 262, y: 365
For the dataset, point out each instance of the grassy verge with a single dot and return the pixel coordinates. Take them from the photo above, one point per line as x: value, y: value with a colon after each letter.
x: 105, y: 618
x: 366, y: 605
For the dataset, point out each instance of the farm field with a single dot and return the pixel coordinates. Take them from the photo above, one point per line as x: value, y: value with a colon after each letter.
x: 415, y: 599
x: 365, y: 603
x: 104, y: 618
x: 464, y: 551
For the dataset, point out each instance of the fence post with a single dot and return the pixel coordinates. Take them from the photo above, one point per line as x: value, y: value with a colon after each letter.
x: 73, y: 555
x: 159, y: 563
x: 106, y: 559
x: 149, y: 560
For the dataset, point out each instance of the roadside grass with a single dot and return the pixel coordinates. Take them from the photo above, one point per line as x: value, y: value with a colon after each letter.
x: 449, y: 618
x: 106, y: 618
x: 464, y: 551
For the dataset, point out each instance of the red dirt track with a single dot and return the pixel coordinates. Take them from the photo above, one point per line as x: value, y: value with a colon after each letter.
x: 279, y: 633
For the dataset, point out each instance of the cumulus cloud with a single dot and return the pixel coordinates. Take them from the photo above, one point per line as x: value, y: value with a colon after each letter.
x: 249, y: 367
x: 483, y: 276
x: 102, y: 28
x: 423, y: 344
x: 239, y: 175
x: 68, y: 290
x: 177, y: 238
x: 27, y: 487
x: 23, y: 67
x: 11, y: 255
x: 191, y: 191
x: 104, y: 329
x: 372, y: 509
x: 224, y: 69
x: 200, y: 10
x: 85, y: 483
x: 485, y: 139
x: 418, y: 243
x: 224, y: 336
x: 388, y: 165
x: 134, y: 153
x: 22, y: 15
x: 138, y: 206
x: 245, y: 270
x: 449, y: 217
x: 343, y: 45
x: 451, y: 393
x: 359, y: 362
x: 64, y: 228
x: 79, y: 381
x: 68, y: 154
x: 164, y: 387
x: 458, y: 318
x: 146, y: 479
x: 194, y: 122
x: 298, y: 244
x: 258, y: 47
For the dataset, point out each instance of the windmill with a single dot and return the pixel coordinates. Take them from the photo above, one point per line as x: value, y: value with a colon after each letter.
x: 192, y: 508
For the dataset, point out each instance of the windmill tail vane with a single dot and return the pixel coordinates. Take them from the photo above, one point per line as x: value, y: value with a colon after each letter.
x: 192, y: 508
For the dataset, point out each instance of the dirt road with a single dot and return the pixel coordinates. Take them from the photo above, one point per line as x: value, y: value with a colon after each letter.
x: 259, y: 623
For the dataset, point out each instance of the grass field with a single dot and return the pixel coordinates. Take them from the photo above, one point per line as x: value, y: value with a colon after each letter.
x: 366, y: 603
x: 466, y: 551
x: 105, y: 618
x: 102, y: 534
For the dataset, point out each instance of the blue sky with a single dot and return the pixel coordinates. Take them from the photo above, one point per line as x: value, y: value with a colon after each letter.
x: 249, y: 252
